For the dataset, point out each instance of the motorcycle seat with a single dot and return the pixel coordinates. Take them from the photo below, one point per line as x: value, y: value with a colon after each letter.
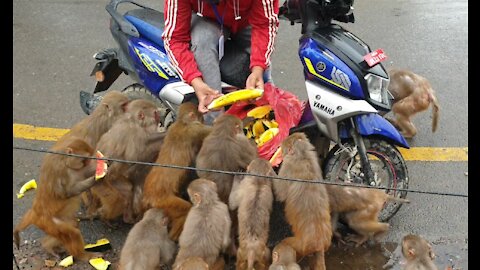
x: 148, y: 22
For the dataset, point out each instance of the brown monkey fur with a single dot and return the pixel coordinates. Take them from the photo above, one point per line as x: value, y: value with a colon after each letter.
x: 306, y: 205
x: 181, y: 145
x: 361, y: 208
x: 57, y: 199
x: 253, y: 198
x: 413, y: 94
x: 418, y: 253
x: 130, y: 138
x: 147, y: 245
x: 193, y: 263
x: 226, y: 148
x: 92, y: 127
x: 284, y: 258
x: 206, y: 232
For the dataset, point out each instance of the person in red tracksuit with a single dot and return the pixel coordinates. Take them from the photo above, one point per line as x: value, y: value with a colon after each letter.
x: 196, y: 32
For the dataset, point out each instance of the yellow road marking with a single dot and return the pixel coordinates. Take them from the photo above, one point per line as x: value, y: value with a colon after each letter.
x: 37, y: 133
x: 435, y: 153
x: 29, y: 132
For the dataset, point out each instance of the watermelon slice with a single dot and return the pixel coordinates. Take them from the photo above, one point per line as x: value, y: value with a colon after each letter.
x: 101, y: 166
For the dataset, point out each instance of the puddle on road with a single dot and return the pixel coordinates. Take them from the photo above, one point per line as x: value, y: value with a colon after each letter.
x: 382, y: 256
x: 341, y: 256
x: 387, y: 256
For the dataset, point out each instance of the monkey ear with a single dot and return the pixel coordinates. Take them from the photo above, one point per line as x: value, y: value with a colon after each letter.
x: 165, y: 221
x: 69, y: 150
x: 274, y: 256
x: 290, y: 150
x: 411, y: 252
x: 197, y: 198
x: 192, y: 116
x: 141, y: 115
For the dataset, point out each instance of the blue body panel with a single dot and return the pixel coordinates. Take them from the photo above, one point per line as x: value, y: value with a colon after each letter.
x: 147, y: 30
x: 374, y: 124
x: 329, y: 70
x: 151, y: 64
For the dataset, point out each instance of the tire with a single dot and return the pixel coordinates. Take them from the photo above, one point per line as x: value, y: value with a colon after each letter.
x: 138, y: 91
x: 387, y: 163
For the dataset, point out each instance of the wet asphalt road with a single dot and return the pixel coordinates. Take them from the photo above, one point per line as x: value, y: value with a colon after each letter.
x: 54, y: 40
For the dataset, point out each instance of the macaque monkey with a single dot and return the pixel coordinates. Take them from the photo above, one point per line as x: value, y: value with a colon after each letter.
x: 284, y: 258
x: 361, y: 208
x: 307, y: 208
x: 253, y: 198
x: 57, y: 199
x: 418, y: 253
x: 206, y: 232
x: 130, y: 138
x: 92, y: 127
x: 193, y: 263
x: 147, y: 245
x: 181, y: 145
x: 226, y: 148
x: 413, y: 94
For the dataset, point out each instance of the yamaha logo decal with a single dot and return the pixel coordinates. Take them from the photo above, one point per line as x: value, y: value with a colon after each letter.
x: 321, y: 66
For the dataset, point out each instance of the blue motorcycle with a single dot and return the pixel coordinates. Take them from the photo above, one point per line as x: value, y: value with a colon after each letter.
x: 345, y: 82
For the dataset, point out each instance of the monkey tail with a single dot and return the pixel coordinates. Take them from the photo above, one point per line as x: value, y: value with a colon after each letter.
x: 435, y: 111
x: 24, y: 223
x: 250, y: 259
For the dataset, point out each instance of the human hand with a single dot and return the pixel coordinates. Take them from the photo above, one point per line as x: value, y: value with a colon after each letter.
x: 255, y: 79
x: 204, y: 93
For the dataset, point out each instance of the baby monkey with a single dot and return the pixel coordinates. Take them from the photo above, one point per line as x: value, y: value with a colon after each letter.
x: 418, y: 253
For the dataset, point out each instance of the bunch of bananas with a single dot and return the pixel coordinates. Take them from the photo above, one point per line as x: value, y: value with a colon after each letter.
x: 263, y: 126
x: 232, y: 97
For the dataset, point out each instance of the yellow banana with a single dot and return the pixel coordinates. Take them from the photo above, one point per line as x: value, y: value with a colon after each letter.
x: 230, y: 98
x: 28, y: 185
x: 270, y: 123
x: 260, y: 111
x: 258, y: 128
x: 249, y: 133
x: 101, y: 245
x: 99, y: 263
x: 66, y: 262
x: 267, y: 136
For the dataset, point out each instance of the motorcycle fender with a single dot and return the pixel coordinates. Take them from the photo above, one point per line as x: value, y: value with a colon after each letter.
x: 111, y: 71
x: 374, y: 124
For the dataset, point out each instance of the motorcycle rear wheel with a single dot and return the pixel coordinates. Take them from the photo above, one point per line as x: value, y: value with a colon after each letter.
x: 138, y: 91
x: 386, y: 162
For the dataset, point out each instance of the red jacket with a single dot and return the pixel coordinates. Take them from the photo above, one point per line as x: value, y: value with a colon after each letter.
x: 261, y: 14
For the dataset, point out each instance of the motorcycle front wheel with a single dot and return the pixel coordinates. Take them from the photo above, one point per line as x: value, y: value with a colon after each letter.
x: 138, y: 91
x: 387, y: 164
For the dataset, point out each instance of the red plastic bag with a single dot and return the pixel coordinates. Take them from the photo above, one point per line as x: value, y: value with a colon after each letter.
x: 288, y: 110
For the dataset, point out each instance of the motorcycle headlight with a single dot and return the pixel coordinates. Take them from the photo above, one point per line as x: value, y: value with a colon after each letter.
x: 377, y: 88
